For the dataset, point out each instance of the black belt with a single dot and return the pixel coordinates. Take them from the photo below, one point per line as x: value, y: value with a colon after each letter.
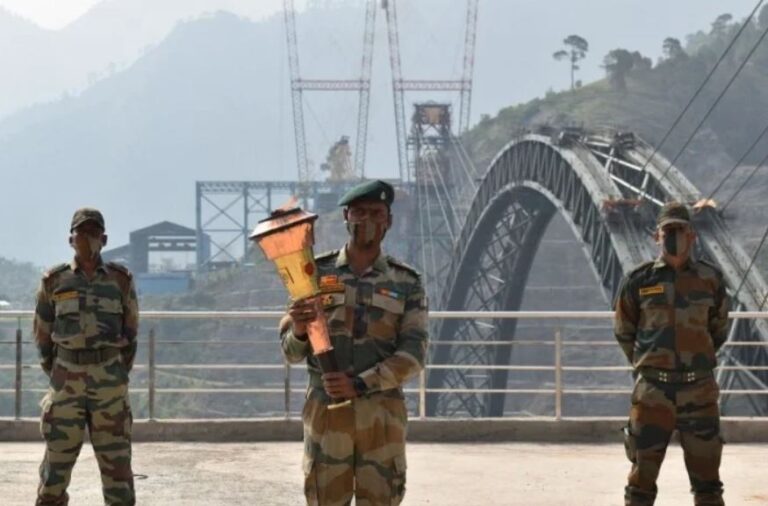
x: 87, y: 357
x: 664, y: 376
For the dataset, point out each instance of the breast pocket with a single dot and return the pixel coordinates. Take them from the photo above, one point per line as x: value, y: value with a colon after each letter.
x: 656, y: 312
x: 109, y: 316
x: 384, y: 316
x: 335, y: 312
x: 698, y: 312
x: 67, y: 317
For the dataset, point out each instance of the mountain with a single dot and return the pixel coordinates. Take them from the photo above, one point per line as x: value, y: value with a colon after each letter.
x: 211, y: 101
x: 650, y: 102
x: 108, y: 37
x: 18, y: 281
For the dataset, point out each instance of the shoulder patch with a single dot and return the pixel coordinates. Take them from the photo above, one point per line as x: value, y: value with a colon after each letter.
x: 120, y: 268
x: 640, y: 268
x: 55, y: 270
x: 402, y: 265
x: 327, y: 255
x: 712, y: 266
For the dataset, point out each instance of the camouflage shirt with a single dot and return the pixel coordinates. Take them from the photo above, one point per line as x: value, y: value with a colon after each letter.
x: 377, y: 321
x: 674, y: 320
x: 77, y: 313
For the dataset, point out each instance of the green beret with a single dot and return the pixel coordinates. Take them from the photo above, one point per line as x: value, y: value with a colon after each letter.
x: 85, y: 214
x: 673, y: 212
x: 369, y: 191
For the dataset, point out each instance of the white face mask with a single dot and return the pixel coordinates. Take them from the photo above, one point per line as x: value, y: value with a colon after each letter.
x: 95, y: 245
x: 366, y: 232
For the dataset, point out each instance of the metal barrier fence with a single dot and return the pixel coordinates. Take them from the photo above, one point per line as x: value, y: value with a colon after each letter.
x: 150, y: 318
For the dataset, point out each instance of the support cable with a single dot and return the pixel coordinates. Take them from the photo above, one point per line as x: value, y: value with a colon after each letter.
x: 454, y: 145
x: 446, y: 191
x: 467, y: 157
x: 738, y: 164
x: 701, y: 86
x: 440, y: 200
x: 714, y: 104
x: 745, y: 182
x: 419, y: 203
x: 465, y: 197
x: 751, y: 264
x: 429, y: 227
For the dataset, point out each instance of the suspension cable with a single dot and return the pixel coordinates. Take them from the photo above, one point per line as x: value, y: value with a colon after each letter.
x: 745, y: 182
x: 447, y: 192
x: 714, y: 104
x: 751, y: 263
x: 440, y: 199
x: 424, y: 266
x: 463, y: 165
x: 738, y: 164
x: 466, y: 162
x: 702, y: 85
x: 429, y: 225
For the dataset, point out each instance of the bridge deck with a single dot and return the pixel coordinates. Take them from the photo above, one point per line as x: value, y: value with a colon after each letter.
x: 447, y: 474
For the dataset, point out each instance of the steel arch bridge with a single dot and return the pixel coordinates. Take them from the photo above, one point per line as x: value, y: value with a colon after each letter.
x: 608, y: 191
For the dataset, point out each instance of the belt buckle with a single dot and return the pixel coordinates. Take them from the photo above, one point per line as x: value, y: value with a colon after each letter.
x: 663, y: 377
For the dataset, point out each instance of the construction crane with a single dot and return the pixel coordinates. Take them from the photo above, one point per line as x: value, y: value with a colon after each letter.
x: 400, y: 85
x: 299, y: 86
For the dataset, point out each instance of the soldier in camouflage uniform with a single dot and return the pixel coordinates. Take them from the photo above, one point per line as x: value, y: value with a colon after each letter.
x: 671, y: 319
x: 377, y: 319
x: 85, y: 330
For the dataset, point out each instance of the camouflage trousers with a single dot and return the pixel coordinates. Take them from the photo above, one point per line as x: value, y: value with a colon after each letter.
x: 96, y: 397
x: 358, y: 450
x: 658, y: 409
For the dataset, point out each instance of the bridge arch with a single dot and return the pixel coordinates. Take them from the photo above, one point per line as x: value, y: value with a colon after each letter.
x: 590, y: 181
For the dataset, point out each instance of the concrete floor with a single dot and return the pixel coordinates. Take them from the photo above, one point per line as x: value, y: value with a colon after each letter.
x: 439, y: 474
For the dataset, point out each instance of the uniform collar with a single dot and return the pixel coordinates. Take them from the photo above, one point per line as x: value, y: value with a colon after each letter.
x: 100, y: 265
x: 379, y: 264
x: 660, y: 263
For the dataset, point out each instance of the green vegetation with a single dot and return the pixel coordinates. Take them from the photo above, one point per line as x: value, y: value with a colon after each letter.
x: 646, y: 99
x: 18, y: 281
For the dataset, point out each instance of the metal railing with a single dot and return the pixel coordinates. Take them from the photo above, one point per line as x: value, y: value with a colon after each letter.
x: 558, y: 389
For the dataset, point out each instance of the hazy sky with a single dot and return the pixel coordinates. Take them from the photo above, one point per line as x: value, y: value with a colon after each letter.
x: 52, y: 14
x: 529, y: 31
x: 55, y: 14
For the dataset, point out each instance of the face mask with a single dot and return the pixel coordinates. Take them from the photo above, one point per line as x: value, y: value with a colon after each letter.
x: 94, y: 246
x: 90, y: 248
x: 365, y: 232
x: 675, y: 243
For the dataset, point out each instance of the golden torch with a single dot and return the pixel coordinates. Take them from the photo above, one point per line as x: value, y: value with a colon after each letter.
x: 286, y: 238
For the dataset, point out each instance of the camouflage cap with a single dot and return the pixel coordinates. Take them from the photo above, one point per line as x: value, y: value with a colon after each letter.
x: 369, y: 191
x: 85, y: 214
x: 673, y: 212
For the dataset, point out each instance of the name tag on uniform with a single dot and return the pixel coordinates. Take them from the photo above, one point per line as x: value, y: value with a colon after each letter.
x: 65, y: 296
x: 390, y: 293
x: 331, y: 284
x: 651, y: 290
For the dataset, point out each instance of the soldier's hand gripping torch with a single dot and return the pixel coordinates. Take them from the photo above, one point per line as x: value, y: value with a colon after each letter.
x: 286, y: 238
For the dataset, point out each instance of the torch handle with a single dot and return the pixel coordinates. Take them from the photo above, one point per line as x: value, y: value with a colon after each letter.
x: 323, y: 351
x: 328, y: 363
